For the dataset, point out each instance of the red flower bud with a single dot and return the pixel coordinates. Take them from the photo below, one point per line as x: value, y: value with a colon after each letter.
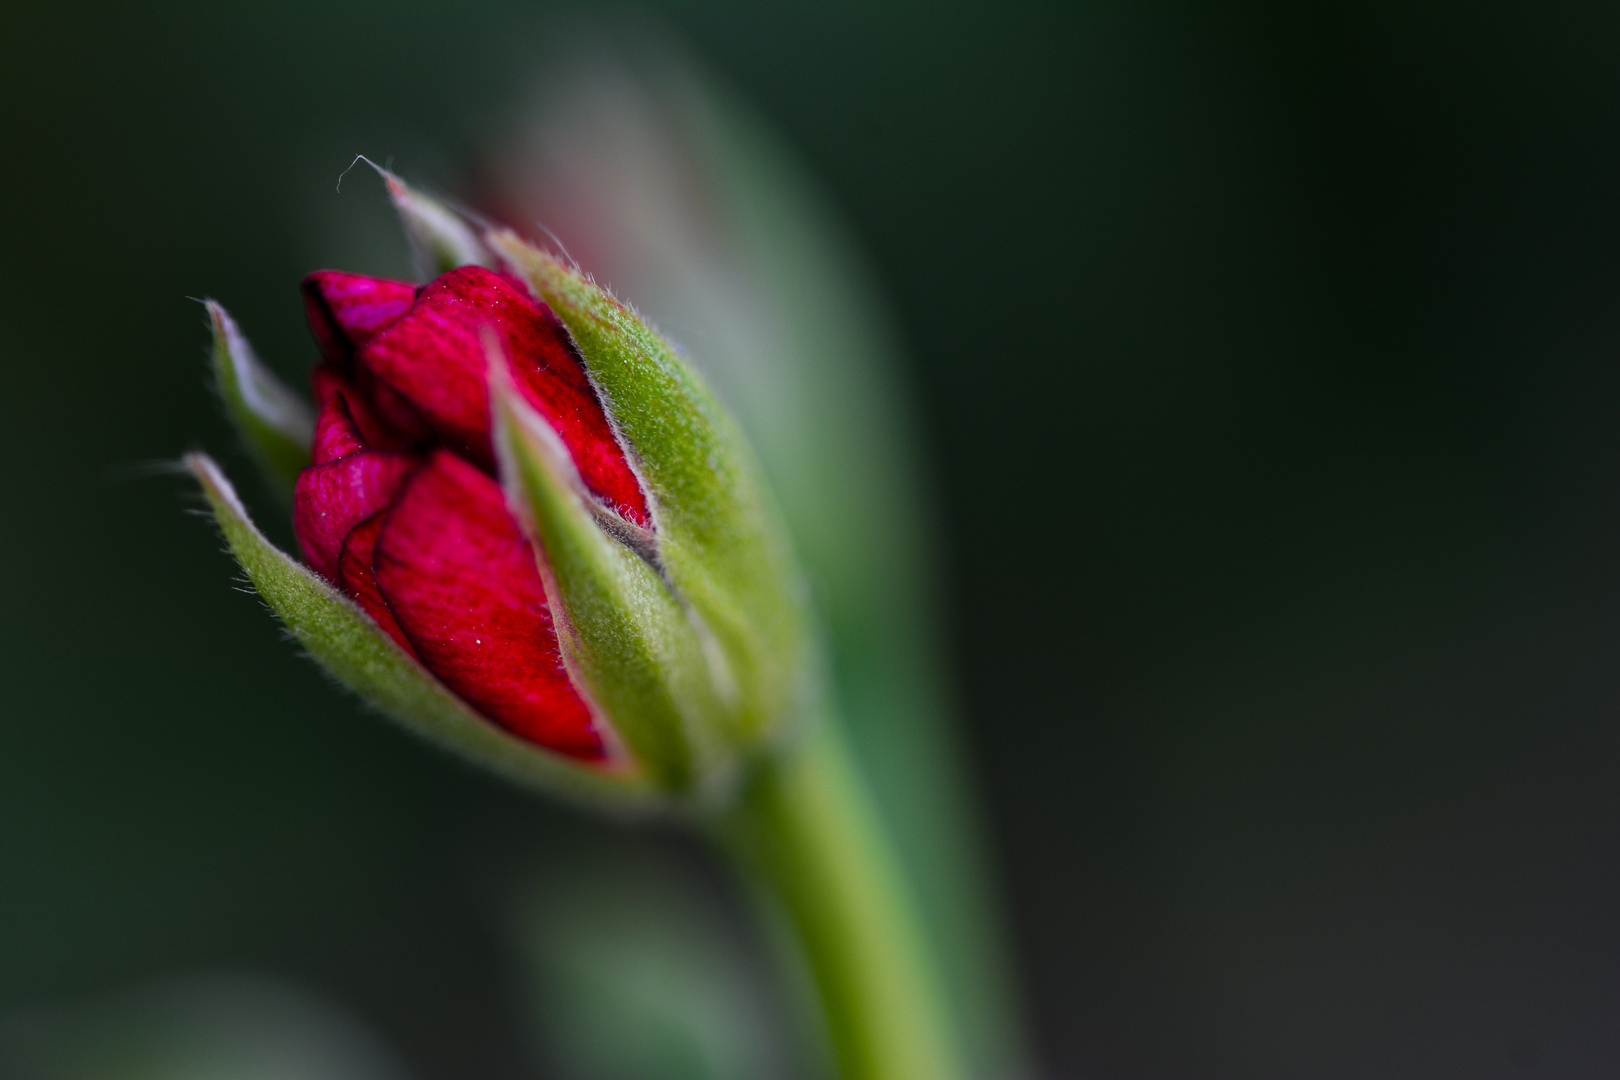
x: 529, y: 531
x: 400, y: 508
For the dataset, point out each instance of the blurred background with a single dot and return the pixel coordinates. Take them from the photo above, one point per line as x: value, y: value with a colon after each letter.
x: 1260, y: 374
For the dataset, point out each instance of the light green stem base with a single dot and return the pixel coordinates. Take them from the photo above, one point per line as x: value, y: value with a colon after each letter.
x: 806, y: 829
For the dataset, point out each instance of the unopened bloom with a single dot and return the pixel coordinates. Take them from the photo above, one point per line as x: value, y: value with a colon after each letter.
x: 526, y: 525
x: 400, y: 507
x: 530, y: 532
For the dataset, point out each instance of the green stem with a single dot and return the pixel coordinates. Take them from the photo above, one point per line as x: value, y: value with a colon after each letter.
x: 806, y: 828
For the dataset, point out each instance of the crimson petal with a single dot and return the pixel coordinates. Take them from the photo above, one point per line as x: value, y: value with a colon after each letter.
x: 335, y: 432
x: 385, y: 419
x: 355, y: 577
x: 347, y: 310
x: 334, y: 496
x: 434, y: 356
x: 461, y: 579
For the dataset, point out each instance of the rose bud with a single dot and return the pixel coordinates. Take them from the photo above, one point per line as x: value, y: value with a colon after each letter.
x: 536, y: 520
x: 530, y: 532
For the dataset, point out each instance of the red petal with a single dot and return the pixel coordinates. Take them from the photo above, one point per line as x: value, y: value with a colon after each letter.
x: 461, y: 579
x: 434, y: 356
x: 385, y: 420
x: 335, y: 433
x: 347, y: 310
x: 355, y: 578
x: 331, y: 499
x: 325, y: 381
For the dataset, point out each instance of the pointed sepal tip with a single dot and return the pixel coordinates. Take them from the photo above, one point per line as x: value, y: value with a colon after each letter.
x: 274, y: 423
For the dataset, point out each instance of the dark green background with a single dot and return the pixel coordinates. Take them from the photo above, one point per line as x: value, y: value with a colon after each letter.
x: 1269, y: 369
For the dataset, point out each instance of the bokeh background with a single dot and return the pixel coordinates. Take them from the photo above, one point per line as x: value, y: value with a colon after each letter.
x: 1265, y: 367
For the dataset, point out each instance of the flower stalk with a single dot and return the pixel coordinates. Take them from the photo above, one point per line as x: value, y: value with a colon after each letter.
x: 805, y: 827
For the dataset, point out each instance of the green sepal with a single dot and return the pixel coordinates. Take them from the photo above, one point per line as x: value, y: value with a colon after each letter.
x: 273, y: 421
x: 636, y: 650
x: 721, y: 543
x: 361, y: 656
x: 440, y: 239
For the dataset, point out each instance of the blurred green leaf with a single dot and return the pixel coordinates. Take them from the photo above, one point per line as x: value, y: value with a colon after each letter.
x: 215, y: 1027
x: 634, y: 972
